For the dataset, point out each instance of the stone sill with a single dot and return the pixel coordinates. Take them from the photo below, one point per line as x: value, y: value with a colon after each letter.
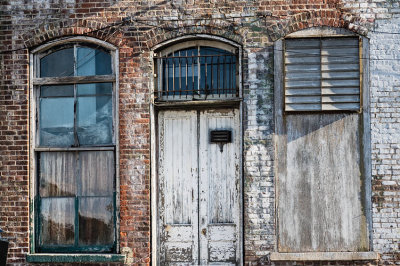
x: 59, y: 258
x: 324, y: 256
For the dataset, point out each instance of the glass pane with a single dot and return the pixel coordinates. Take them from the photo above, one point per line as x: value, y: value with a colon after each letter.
x: 180, y: 73
x: 94, y: 88
x: 57, y: 90
x: 93, y: 62
x: 170, y: 72
x: 58, y: 64
x: 218, y: 71
x: 97, y: 173
x: 57, y: 174
x: 57, y: 221
x: 96, y: 221
x: 94, y: 120
x: 56, y: 122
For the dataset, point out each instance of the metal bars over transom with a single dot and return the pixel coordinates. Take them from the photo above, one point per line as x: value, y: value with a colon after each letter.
x: 200, y: 70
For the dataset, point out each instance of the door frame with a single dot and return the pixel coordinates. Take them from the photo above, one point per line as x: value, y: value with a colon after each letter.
x: 154, y: 110
x: 202, y: 104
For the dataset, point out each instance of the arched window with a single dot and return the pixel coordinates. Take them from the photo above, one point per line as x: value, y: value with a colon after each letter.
x: 74, y: 88
x: 201, y: 69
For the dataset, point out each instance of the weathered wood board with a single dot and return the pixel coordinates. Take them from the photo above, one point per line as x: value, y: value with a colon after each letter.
x: 320, y: 183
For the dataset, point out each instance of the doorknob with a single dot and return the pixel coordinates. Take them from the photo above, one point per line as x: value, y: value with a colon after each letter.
x: 204, y: 231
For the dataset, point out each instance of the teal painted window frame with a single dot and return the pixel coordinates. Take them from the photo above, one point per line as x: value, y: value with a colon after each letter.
x: 112, y: 146
x: 75, y: 258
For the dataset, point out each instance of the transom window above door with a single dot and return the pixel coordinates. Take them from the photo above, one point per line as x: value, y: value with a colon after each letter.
x: 204, y: 70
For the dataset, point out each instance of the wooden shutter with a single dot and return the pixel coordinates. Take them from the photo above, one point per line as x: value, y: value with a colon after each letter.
x: 322, y: 74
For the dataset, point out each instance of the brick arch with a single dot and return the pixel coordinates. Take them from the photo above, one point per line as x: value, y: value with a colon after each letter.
x: 218, y: 28
x: 68, y: 27
x: 318, y: 18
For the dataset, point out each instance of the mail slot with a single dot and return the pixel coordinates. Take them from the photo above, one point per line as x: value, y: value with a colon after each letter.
x: 218, y: 136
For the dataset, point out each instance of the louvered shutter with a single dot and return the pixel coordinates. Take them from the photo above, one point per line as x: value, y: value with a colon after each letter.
x: 322, y: 74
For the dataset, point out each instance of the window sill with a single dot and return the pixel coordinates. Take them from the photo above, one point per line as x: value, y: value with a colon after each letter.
x: 324, y: 256
x: 59, y: 258
x: 191, y: 103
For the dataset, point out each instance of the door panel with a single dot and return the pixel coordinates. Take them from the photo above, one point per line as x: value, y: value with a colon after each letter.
x: 199, y: 211
x: 219, y: 189
x: 178, y: 177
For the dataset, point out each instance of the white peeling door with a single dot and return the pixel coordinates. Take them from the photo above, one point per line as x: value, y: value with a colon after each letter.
x: 199, y: 188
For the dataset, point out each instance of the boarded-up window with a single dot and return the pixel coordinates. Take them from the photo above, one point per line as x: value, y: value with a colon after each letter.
x: 75, y: 151
x: 322, y: 74
x: 322, y: 167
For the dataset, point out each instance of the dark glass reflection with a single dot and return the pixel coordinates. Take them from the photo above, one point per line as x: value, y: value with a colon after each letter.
x: 57, y: 174
x: 57, y: 217
x: 217, y: 72
x: 58, y: 64
x: 57, y: 91
x: 97, y: 173
x: 57, y: 121
x: 94, y: 89
x: 94, y: 120
x: 92, y: 62
x: 96, y: 221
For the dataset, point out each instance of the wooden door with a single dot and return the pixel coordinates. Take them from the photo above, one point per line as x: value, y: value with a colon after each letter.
x: 199, y: 188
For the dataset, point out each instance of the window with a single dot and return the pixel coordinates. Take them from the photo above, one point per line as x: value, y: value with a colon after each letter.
x: 75, y: 150
x: 322, y: 165
x: 322, y: 74
x: 197, y: 70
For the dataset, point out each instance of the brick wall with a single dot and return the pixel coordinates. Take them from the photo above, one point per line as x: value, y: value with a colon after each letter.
x: 253, y: 24
x: 385, y: 120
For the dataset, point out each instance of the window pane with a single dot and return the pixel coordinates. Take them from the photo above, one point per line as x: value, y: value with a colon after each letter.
x: 180, y: 73
x: 96, y: 221
x: 94, y: 120
x: 57, y: 90
x: 218, y: 71
x: 57, y: 174
x: 94, y: 88
x: 58, y: 64
x: 93, y: 62
x: 97, y: 173
x: 56, y: 122
x: 57, y: 221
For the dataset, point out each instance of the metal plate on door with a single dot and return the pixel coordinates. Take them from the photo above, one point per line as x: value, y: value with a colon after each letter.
x: 224, y: 136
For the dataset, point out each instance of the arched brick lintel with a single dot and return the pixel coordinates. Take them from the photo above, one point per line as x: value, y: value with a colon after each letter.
x: 318, y: 18
x: 108, y: 33
x: 222, y: 29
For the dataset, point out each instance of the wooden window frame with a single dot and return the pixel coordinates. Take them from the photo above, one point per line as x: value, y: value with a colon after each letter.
x: 35, y: 148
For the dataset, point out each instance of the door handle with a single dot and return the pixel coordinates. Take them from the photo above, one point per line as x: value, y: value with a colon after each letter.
x: 204, y: 231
